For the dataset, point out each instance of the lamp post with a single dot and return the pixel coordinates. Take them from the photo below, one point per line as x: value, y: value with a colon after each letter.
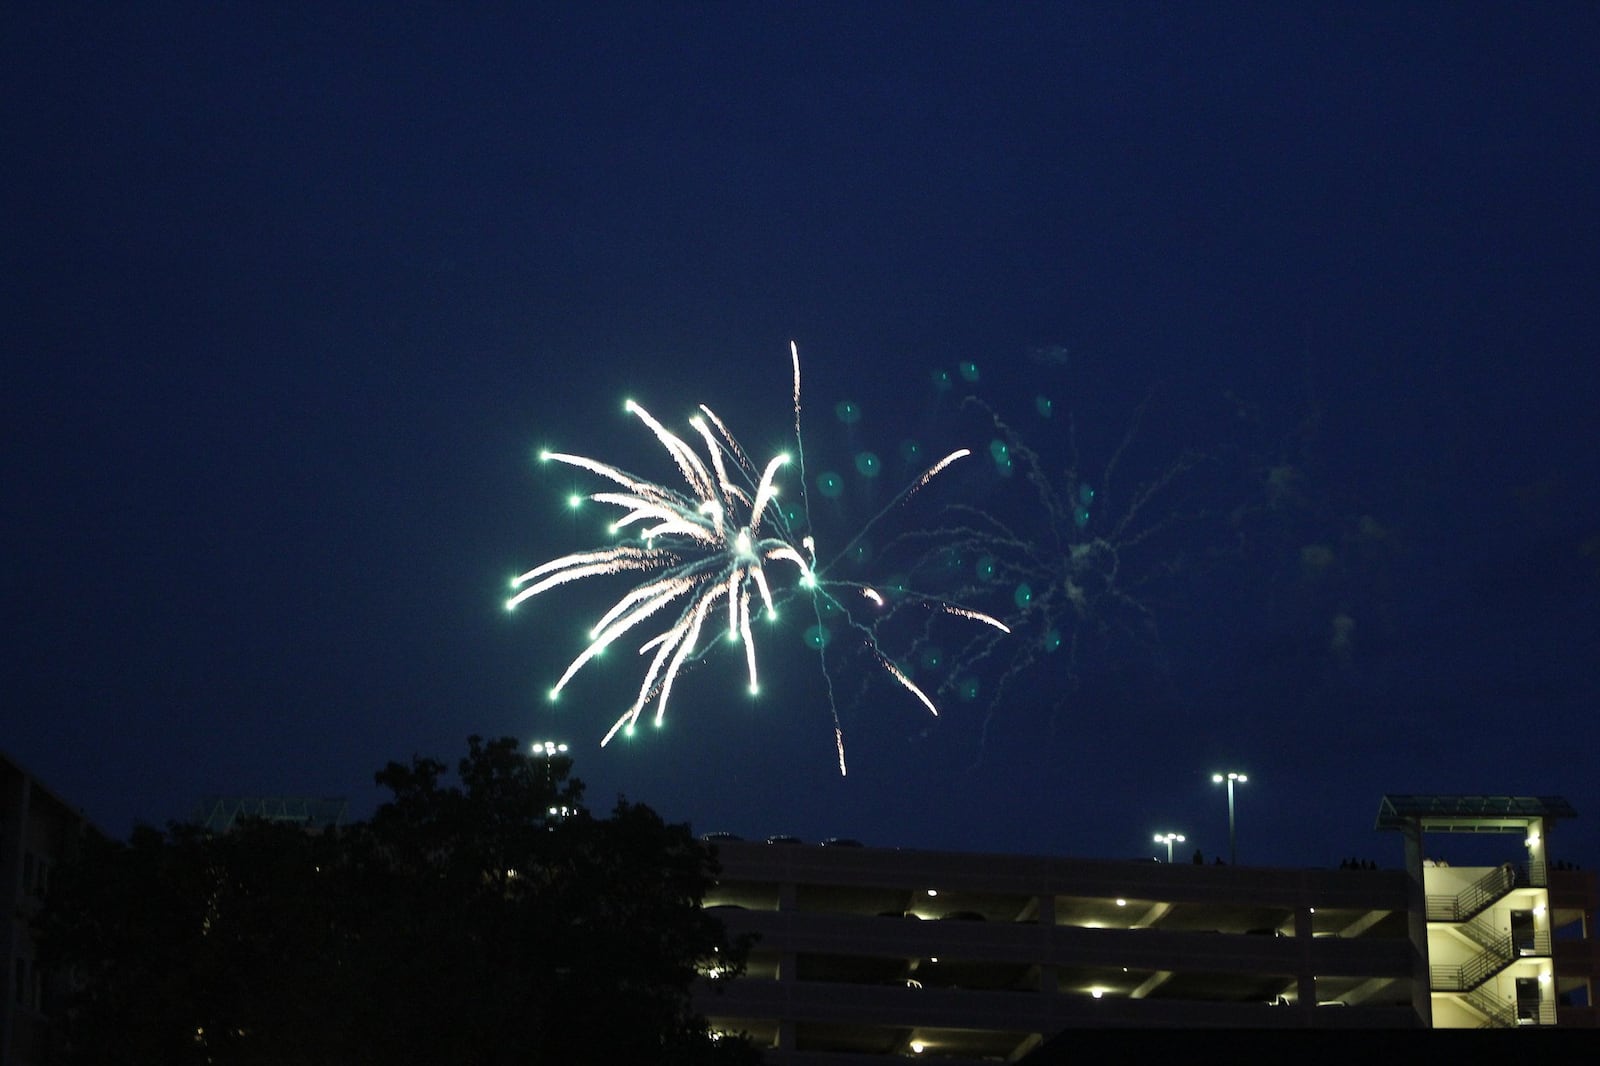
x: 1168, y: 839
x: 1233, y: 841
x: 549, y: 749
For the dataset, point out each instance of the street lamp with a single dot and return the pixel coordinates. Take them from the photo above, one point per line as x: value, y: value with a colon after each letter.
x: 1233, y: 840
x: 1168, y: 839
x: 549, y: 749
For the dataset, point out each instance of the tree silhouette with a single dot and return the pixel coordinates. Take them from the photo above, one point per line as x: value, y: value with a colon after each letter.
x: 463, y: 923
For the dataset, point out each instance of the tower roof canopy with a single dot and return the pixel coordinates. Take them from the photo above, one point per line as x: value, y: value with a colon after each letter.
x: 1471, y: 814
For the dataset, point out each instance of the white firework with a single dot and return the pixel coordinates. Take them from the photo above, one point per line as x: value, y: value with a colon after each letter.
x: 703, y: 552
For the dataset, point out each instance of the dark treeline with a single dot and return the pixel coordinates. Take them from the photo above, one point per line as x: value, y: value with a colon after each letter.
x: 463, y: 924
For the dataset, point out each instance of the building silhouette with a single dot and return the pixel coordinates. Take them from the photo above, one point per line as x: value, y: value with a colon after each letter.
x: 38, y: 832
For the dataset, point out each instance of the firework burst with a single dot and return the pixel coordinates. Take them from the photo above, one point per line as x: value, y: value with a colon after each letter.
x: 702, y: 554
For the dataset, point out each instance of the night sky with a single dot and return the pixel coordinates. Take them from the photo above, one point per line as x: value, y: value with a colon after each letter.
x: 294, y: 293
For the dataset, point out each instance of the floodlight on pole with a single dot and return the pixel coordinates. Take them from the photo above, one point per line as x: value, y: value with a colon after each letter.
x: 1233, y: 841
x: 549, y: 749
x: 1169, y: 839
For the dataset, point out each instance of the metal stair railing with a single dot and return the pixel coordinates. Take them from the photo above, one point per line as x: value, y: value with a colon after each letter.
x: 1532, y: 874
x: 1494, y: 958
x: 1531, y: 945
x: 1498, y: 1014
x: 1476, y: 897
x: 1472, y: 973
x: 1536, y: 1012
x: 1483, y: 933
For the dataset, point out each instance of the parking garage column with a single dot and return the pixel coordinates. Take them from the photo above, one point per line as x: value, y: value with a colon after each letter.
x: 1305, y: 981
x: 1417, y: 922
x: 1046, y: 917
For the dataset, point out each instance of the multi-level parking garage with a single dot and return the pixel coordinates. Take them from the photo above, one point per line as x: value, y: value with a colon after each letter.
x: 870, y: 951
x: 862, y: 952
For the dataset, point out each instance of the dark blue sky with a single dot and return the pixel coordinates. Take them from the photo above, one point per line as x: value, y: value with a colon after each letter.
x: 293, y: 292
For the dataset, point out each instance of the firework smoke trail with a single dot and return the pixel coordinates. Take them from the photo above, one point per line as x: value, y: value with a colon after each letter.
x: 816, y: 603
x: 698, y: 547
x: 1065, y: 571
